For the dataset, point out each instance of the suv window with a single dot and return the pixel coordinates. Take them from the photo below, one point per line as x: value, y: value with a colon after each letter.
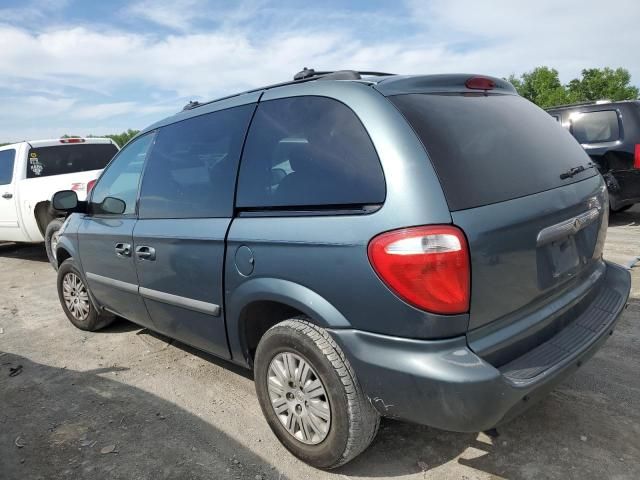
x: 595, y: 127
x: 491, y: 148
x: 307, y: 152
x: 192, y: 169
x: 7, y: 157
x: 62, y: 159
x: 121, y: 179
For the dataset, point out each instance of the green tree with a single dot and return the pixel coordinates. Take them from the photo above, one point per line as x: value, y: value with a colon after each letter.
x: 122, y: 138
x: 601, y: 84
x: 541, y: 86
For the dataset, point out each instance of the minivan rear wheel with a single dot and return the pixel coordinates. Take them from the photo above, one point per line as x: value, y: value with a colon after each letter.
x: 310, y: 396
x: 76, y: 301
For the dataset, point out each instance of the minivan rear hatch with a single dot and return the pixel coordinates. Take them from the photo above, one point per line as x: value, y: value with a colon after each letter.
x: 524, y: 192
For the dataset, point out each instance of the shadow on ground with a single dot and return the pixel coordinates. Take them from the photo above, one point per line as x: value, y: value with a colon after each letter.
x: 64, y: 436
x: 24, y: 251
x: 629, y: 217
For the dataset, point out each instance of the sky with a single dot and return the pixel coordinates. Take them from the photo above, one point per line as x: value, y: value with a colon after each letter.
x: 95, y: 67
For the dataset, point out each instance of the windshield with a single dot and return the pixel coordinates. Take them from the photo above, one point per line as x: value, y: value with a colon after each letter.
x: 493, y: 148
x: 62, y: 159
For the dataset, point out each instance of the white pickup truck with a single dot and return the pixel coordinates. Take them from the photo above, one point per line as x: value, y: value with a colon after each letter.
x: 31, y: 172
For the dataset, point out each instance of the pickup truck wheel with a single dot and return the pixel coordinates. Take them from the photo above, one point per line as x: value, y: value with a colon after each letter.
x: 623, y: 209
x: 76, y: 301
x: 310, y: 396
x: 51, y: 240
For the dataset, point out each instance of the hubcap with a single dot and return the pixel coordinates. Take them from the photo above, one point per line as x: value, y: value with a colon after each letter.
x: 298, y: 398
x: 75, y: 296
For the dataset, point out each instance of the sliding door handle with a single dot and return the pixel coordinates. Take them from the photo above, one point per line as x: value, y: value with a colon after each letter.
x: 7, y: 195
x: 144, y: 252
x: 123, y: 249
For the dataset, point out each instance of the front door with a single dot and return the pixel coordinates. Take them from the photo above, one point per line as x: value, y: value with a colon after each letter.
x: 105, y: 236
x: 186, y: 206
x: 9, y: 229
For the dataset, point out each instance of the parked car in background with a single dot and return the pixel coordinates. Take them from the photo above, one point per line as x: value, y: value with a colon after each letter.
x: 610, y: 133
x: 31, y: 172
x: 369, y: 244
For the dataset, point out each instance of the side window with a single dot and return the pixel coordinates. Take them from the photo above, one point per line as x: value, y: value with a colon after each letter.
x: 7, y: 157
x: 595, y: 127
x: 117, y: 188
x: 192, y: 169
x: 308, y: 152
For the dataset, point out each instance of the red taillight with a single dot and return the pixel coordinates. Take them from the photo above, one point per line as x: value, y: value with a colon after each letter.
x: 636, y: 157
x: 90, y: 185
x: 426, y: 266
x: 480, y: 83
x: 72, y: 140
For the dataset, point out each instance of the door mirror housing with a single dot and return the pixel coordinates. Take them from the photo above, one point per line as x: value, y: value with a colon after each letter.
x: 65, y: 200
x: 113, y: 205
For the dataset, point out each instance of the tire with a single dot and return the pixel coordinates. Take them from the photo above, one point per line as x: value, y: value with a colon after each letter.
x: 623, y: 209
x: 353, y: 422
x: 51, y: 240
x: 84, y: 315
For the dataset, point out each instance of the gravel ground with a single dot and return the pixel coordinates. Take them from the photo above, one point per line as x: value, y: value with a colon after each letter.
x: 126, y: 403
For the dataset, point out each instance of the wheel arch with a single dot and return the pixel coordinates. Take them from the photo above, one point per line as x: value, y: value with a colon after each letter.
x: 43, y: 215
x: 258, y: 304
x: 65, y: 250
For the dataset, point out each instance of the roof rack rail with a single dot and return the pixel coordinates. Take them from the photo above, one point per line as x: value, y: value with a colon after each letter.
x: 191, y: 104
x: 581, y: 104
x: 305, y: 75
x: 311, y: 74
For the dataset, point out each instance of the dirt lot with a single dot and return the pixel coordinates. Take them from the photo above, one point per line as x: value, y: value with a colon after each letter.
x: 124, y: 403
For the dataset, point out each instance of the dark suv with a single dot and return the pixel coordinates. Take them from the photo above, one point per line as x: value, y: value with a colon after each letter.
x: 610, y: 134
x: 369, y: 245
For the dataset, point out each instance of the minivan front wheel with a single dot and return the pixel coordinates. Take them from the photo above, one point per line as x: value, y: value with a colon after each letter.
x: 76, y: 301
x: 310, y: 396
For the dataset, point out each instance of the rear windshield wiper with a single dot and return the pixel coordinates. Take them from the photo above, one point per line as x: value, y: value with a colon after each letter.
x: 572, y: 172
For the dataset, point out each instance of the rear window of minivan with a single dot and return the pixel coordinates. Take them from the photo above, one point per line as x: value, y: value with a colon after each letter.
x: 491, y: 148
x: 62, y: 159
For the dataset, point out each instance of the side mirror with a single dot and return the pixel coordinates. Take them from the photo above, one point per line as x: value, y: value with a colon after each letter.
x: 65, y: 200
x: 113, y: 205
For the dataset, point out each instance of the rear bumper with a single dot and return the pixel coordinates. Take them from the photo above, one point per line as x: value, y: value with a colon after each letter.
x: 444, y: 384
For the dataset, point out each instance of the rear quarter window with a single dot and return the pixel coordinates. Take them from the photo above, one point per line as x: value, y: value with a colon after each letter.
x: 491, y: 148
x: 595, y: 127
x: 308, y: 151
x: 70, y: 158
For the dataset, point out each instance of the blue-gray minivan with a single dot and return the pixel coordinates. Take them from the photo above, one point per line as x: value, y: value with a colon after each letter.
x: 425, y: 248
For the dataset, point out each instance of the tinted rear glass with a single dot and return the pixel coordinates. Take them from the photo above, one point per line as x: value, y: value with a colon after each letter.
x: 308, y: 152
x: 595, y: 127
x: 191, y: 171
x: 489, y: 149
x: 77, y: 157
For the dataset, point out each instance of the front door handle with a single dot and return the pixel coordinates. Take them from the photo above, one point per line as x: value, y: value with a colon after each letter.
x: 7, y: 195
x: 143, y: 252
x: 123, y: 249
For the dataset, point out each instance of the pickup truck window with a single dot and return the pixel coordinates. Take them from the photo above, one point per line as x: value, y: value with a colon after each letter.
x: 7, y: 158
x: 70, y: 158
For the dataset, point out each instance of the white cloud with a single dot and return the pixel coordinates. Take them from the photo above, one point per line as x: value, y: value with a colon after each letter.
x: 255, y: 44
x: 504, y: 37
x: 174, y: 14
